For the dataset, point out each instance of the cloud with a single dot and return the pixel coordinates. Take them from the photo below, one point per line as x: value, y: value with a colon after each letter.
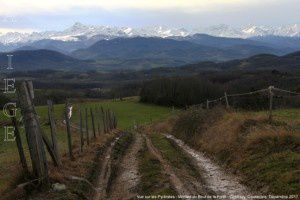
x: 18, y: 7
x: 20, y: 30
x: 57, y: 15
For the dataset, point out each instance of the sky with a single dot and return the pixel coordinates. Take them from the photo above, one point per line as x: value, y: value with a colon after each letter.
x: 41, y: 15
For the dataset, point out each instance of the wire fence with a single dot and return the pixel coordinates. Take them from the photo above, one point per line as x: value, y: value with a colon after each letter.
x: 32, y: 151
x: 270, y: 92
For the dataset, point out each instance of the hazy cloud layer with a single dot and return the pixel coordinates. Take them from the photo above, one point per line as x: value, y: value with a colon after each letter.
x: 54, y: 14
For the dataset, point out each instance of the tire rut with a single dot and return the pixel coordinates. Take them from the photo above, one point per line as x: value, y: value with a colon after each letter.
x: 179, y: 179
x: 124, y: 187
x: 216, y: 179
x: 105, y: 172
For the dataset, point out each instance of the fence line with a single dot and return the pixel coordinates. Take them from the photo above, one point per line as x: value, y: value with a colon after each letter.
x: 270, y: 92
x: 246, y: 94
x: 37, y: 140
x: 286, y: 91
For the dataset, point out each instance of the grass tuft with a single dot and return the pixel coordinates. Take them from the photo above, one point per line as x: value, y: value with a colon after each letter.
x: 266, y: 154
x: 153, y: 180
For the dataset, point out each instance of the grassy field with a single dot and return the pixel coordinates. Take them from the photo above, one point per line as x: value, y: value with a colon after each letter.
x: 127, y: 112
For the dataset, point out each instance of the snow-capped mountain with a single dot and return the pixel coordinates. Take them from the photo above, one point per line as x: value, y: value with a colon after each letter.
x: 250, y: 31
x: 80, y: 32
x: 81, y: 36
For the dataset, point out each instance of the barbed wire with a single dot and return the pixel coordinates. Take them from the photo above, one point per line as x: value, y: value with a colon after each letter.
x: 246, y: 94
x: 286, y: 91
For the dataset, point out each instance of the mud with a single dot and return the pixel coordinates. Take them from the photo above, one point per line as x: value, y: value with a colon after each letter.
x: 105, y: 172
x: 216, y: 179
x: 124, y: 187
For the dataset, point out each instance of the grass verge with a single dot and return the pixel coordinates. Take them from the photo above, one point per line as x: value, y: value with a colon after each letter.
x: 267, y: 155
x: 175, y: 156
x: 153, y: 180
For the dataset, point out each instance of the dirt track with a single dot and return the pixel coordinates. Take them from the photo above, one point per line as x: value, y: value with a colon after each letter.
x: 175, y: 181
x: 105, y: 172
x: 216, y: 179
x: 212, y: 180
x: 125, y: 184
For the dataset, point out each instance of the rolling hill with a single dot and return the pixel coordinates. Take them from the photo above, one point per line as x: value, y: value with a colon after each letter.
x: 143, y: 54
x: 159, y: 48
x: 258, y: 62
x: 44, y: 59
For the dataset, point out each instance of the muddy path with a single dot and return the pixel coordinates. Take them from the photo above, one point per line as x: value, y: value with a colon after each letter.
x: 105, y: 172
x: 124, y: 187
x: 216, y: 179
x: 180, y: 179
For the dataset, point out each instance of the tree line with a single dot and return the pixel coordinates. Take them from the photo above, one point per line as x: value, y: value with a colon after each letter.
x: 192, y: 90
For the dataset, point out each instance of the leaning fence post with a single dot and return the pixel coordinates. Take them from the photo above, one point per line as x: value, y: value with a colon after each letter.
x: 19, y: 143
x: 81, y: 130
x: 103, y: 119
x: 114, y: 120
x: 93, y: 122
x: 68, y: 131
x: 99, y: 114
x: 87, y: 127
x: 226, y: 100
x: 33, y: 134
x: 108, y: 120
x: 270, y: 102
x: 98, y: 127
x: 53, y: 132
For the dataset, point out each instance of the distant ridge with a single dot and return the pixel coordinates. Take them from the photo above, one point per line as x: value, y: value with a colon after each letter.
x: 288, y: 62
x: 24, y: 60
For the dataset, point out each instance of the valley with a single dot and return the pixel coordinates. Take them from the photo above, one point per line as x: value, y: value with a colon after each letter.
x: 120, y: 108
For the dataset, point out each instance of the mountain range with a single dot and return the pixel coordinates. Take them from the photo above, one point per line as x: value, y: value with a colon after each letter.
x: 102, y: 47
x: 171, y: 50
x: 25, y: 60
x: 81, y: 36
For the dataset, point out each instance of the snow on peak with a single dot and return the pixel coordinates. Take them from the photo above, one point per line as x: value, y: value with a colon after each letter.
x: 79, y: 31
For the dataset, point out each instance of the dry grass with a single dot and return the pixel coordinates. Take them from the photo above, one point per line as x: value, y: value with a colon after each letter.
x: 266, y: 154
x: 81, y: 166
x: 165, y: 126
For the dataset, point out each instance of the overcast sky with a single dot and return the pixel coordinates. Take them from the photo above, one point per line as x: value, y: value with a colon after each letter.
x: 24, y: 15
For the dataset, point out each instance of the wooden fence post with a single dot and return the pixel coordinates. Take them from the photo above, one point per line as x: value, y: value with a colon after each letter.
x: 19, y: 143
x: 104, y: 120
x: 81, y: 130
x: 99, y: 131
x: 99, y: 114
x: 113, y: 120
x: 53, y: 132
x: 207, y: 104
x: 87, y: 127
x: 68, y: 131
x: 117, y: 122
x: 108, y: 120
x: 33, y: 134
x: 226, y: 100
x: 93, y: 122
x: 271, y: 103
